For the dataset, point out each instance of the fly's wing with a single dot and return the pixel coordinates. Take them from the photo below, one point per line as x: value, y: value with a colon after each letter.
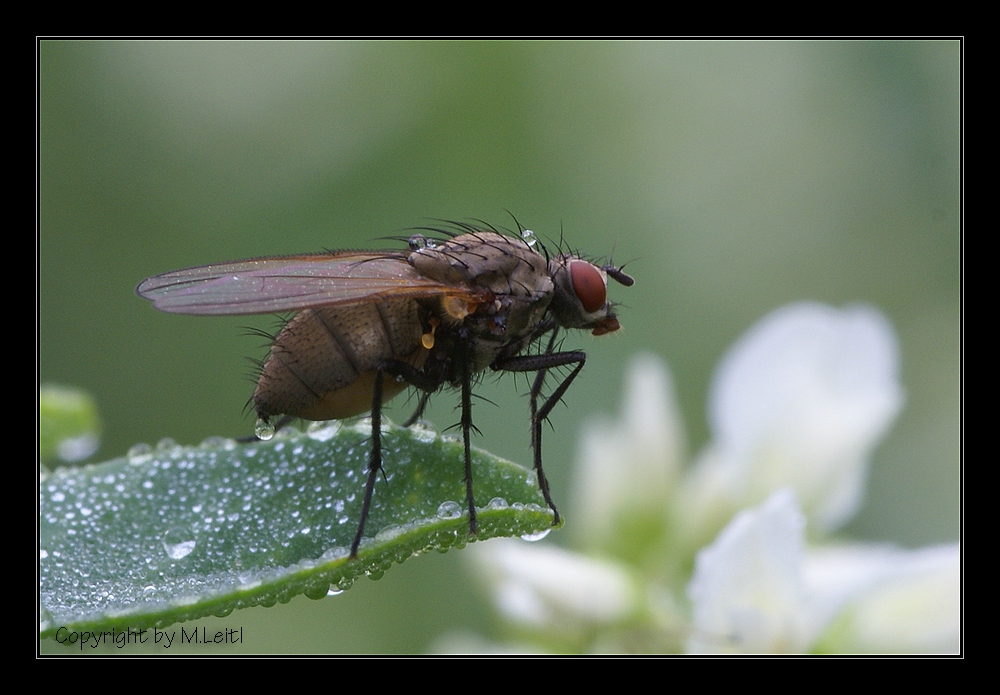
x: 289, y: 283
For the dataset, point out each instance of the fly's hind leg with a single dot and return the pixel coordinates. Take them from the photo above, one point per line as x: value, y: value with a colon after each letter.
x: 541, y: 364
x: 413, y: 376
x: 374, y: 460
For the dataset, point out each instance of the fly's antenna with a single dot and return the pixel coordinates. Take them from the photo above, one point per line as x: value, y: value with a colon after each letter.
x: 620, y: 277
x: 618, y: 274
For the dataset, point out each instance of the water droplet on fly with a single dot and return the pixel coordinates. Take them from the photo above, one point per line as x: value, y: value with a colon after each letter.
x: 417, y: 242
x: 264, y: 430
x: 529, y: 238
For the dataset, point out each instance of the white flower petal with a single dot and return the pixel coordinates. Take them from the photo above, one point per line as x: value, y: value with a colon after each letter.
x: 897, y: 601
x: 747, y: 590
x: 542, y: 584
x: 801, y: 400
x: 628, y: 469
x: 757, y: 590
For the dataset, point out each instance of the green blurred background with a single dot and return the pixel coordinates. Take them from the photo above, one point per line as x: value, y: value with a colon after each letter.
x: 736, y: 176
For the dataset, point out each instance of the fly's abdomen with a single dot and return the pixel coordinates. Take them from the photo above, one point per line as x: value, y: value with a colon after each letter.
x: 322, y: 364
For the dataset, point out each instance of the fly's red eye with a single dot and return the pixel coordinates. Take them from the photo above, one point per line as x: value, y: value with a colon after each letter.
x: 588, y: 285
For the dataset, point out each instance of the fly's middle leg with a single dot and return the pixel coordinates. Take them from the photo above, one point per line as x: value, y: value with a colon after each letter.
x: 467, y: 426
x: 417, y: 378
x: 419, y: 412
x: 431, y: 382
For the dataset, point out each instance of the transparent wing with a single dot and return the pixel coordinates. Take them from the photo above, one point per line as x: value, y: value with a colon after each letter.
x: 288, y: 283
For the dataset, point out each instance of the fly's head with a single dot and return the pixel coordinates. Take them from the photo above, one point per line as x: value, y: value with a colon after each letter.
x: 580, y: 298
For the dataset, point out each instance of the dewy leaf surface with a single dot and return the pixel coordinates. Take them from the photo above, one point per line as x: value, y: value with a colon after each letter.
x: 175, y: 533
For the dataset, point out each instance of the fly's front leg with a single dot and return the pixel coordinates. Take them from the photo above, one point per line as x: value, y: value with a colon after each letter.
x: 541, y: 364
x: 374, y: 459
x: 536, y: 389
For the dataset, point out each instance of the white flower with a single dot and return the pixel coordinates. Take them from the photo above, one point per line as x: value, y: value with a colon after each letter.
x: 796, y: 409
x: 758, y: 589
x: 801, y: 400
x: 747, y: 591
x: 905, y: 601
x: 628, y: 470
x: 543, y: 585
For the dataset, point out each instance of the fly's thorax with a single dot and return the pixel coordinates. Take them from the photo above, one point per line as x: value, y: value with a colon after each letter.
x: 489, y: 261
x: 503, y: 290
x: 504, y: 285
x: 580, y: 298
x: 507, y: 328
x: 483, y: 330
x: 323, y: 360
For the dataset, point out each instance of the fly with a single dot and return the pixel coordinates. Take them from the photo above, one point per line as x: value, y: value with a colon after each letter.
x: 372, y: 323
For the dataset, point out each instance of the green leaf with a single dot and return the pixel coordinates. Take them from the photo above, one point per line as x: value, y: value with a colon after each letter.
x: 176, y: 533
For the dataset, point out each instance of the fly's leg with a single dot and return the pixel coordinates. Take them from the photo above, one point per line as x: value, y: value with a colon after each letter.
x: 467, y: 426
x: 415, y: 377
x: 541, y: 364
x: 419, y: 412
x: 374, y: 460
x: 536, y: 389
x: 428, y: 384
x: 541, y: 415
